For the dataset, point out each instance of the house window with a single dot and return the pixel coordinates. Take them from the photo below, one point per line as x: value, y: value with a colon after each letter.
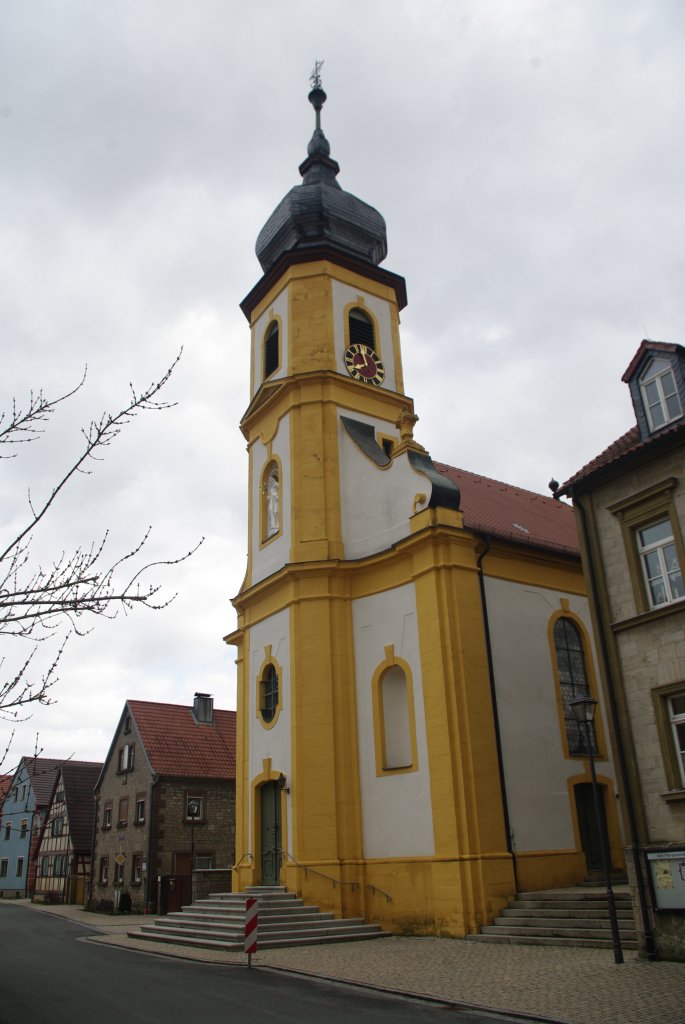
x: 118, y: 873
x: 361, y: 328
x: 57, y: 826
x: 127, y: 724
x: 20, y: 866
x: 122, y: 818
x: 195, y: 806
x: 140, y: 809
x: 107, y: 816
x: 4, y: 864
x: 272, y: 355
x: 59, y: 868
x: 8, y: 830
x: 204, y: 862
x: 137, y: 869
x: 23, y: 828
x: 104, y: 870
x: 126, y: 756
x: 660, y: 565
x: 573, y: 682
x: 44, y: 866
x: 676, y: 709
x: 268, y: 693
x: 659, y: 394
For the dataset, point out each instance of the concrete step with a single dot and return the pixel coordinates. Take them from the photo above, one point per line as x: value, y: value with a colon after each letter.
x: 219, y: 923
x: 565, y: 917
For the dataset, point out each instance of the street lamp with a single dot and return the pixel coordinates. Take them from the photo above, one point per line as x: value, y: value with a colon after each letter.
x: 193, y: 814
x: 583, y: 709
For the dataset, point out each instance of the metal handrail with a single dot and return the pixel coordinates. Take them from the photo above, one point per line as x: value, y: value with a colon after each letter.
x: 374, y: 888
x: 244, y: 856
x: 335, y: 881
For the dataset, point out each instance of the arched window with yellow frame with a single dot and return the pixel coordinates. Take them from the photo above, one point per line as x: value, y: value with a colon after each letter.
x: 272, y: 349
x: 574, y: 681
x: 394, y: 721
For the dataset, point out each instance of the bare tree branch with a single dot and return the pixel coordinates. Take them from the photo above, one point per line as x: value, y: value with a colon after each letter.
x: 37, y: 602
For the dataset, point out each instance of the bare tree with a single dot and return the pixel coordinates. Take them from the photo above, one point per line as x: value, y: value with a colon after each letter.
x: 39, y: 602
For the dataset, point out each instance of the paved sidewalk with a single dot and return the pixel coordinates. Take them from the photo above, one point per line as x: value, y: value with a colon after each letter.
x: 573, y: 986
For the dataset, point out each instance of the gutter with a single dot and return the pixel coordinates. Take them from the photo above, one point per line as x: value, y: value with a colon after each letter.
x: 650, y: 947
x: 493, y: 696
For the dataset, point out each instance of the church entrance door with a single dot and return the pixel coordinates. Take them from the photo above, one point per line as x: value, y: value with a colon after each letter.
x: 271, y: 832
x: 588, y: 826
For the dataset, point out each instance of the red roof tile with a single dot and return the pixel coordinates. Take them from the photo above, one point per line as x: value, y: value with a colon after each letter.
x: 512, y: 513
x: 628, y: 444
x: 177, y: 745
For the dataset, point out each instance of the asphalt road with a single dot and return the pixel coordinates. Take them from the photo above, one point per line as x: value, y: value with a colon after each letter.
x: 50, y: 974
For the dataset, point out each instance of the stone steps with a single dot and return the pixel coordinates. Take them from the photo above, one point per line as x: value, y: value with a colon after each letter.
x: 562, y: 917
x: 218, y: 922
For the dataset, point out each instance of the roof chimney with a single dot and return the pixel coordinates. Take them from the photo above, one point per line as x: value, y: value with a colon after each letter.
x: 203, y: 708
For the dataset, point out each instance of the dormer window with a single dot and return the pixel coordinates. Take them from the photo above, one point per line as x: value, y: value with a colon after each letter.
x: 659, y: 394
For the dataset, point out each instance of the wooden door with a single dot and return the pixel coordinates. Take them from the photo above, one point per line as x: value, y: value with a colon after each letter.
x: 589, y: 826
x: 271, y: 832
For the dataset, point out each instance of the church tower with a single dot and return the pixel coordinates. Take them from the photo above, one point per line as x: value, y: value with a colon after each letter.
x: 367, y: 775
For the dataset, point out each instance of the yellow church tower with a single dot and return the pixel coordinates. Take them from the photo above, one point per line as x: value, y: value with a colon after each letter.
x: 367, y: 773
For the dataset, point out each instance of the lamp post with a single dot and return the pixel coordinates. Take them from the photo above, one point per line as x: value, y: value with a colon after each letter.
x: 193, y: 813
x: 583, y: 709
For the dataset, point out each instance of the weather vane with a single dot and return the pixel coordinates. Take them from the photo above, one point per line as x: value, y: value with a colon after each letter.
x: 315, y: 77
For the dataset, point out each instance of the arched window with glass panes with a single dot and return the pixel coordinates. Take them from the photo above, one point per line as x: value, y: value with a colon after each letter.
x: 573, y: 682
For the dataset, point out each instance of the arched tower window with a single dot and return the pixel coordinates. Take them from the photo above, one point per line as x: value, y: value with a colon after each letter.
x: 361, y: 328
x: 268, y: 693
x: 272, y: 354
x: 271, y: 513
x: 573, y: 681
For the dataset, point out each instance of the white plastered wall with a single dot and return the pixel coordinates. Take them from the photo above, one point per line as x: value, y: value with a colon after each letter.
x: 376, y: 502
x: 535, y: 767
x: 397, y: 819
x: 274, y: 553
x: 343, y: 296
x: 279, y: 308
x: 275, y: 741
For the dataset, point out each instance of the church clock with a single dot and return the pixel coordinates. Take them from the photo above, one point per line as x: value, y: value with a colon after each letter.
x: 363, y: 364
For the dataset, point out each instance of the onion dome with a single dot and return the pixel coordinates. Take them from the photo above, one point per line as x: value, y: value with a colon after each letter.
x: 318, y: 212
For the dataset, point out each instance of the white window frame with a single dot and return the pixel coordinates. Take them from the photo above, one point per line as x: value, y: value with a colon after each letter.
x: 678, y: 719
x: 139, y: 818
x: 658, y: 547
x: 656, y: 373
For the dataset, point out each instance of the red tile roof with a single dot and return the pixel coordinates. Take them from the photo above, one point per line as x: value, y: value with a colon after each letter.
x: 628, y: 444
x: 177, y: 745
x: 512, y: 513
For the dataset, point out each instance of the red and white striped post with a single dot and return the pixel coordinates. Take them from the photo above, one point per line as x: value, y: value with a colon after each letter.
x: 251, y: 927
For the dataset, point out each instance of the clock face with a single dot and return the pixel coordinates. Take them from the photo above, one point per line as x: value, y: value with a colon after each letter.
x: 363, y: 364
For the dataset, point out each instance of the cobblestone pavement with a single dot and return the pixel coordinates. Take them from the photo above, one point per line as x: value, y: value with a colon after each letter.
x: 573, y: 986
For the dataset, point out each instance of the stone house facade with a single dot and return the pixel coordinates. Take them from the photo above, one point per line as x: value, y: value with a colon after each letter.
x: 165, y: 800
x: 631, y: 510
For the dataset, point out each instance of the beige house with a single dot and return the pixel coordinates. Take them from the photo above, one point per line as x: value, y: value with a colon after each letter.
x: 631, y: 515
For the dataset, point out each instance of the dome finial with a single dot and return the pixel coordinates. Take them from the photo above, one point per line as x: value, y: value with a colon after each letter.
x: 317, y: 97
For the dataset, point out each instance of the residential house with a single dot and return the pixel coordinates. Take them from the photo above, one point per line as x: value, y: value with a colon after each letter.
x: 630, y: 502
x: 165, y: 800
x: 66, y: 838
x: 23, y: 812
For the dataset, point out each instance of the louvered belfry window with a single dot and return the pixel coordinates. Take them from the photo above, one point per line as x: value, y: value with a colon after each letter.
x: 271, y: 350
x: 361, y: 328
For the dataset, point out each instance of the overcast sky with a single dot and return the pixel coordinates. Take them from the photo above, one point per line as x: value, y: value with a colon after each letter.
x: 527, y: 156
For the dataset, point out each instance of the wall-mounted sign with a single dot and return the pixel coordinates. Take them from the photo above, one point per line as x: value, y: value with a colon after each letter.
x: 667, y: 876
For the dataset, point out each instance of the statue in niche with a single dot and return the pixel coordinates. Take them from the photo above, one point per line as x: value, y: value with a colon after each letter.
x: 272, y: 520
